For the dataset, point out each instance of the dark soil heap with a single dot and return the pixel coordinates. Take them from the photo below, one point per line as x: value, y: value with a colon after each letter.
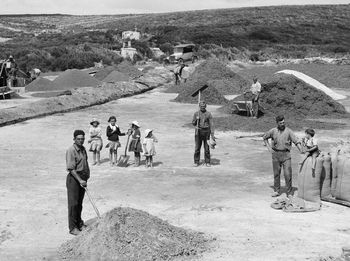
x: 288, y: 95
x: 40, y: 84
x: 210, y: 95
x: 103, y: 73
x: 130, y: 70
x: 71, y: 79
x: 218, y: 75
x: 128, y: 234
x: 116, y: 76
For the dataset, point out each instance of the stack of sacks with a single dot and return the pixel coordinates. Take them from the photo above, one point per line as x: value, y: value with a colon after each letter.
x: 340, y: 188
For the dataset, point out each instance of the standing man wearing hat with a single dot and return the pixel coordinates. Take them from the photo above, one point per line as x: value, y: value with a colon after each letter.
x: 255, y: 90
x: 78, y: 174
x: 203, y: 121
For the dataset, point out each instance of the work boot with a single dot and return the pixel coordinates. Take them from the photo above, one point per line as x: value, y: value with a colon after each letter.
x: 196, y: 164
x: 74, y: 232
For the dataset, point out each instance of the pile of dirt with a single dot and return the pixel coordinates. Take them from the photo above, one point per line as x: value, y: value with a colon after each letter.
x: 218, y: 74
x: 40, y: 84
x: 71, y: 79
x: 103, y: 73
x: 116, y: 76
x: 76, y: 99
x: 288, y: 95
x: 210, y: 95
x: 130, y: 235
x: 130, y: 70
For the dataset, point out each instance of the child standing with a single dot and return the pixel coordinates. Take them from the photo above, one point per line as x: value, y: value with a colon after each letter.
x: 135, y: 144
x: 113, y: 133
x: 95, y: 141
x: 148, y: 147
x: 311, y: 144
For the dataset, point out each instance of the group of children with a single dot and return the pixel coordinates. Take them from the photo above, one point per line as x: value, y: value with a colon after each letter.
x: 147, y: 146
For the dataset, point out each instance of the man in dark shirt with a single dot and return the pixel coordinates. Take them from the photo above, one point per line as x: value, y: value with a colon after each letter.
x: 282, y: 139
x: 78, y: 174
x: 203, y: 121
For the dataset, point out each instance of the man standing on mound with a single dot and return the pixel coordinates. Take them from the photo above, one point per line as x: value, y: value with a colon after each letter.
x: 203, y: 121
x: 79, y: 173
x: 282, y: 139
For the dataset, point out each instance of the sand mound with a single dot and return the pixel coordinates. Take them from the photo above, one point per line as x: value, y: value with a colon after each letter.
x: 71, y: 79
x: 130, y: 235
x: 103, y: 73
x: 127, y: 68
x: 220, y: 76
x: 116, y: 76
x: 210, y: 95
x: 314, y: 83
x: 40, y: 84
x: 288, y: 95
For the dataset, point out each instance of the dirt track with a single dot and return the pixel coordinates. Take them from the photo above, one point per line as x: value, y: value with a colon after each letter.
x: 230, y: 200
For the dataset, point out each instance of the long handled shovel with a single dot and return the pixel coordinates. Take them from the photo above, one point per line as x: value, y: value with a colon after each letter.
x: 123, y: 160
x: 92, y: 202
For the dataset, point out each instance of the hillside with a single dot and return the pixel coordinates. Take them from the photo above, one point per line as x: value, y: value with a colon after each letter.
x: 279, y: 31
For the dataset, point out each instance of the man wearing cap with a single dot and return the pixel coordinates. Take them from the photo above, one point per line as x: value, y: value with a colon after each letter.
x: 78, y: 174
x: 255, y: 90
x: 282, y: 139
x: 203, y: 121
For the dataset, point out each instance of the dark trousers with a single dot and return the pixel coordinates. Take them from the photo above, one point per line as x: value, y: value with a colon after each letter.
x: 75, y: 202
x: 202, y: 136
x: 255, y: 107
x: 282, y: 160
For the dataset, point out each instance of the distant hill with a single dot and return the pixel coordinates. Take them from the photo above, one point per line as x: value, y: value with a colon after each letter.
x: 256, y: 32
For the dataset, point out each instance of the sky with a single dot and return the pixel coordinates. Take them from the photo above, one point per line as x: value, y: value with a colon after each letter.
x: 88, y: 7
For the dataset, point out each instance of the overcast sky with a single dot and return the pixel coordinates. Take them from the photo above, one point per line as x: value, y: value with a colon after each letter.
x: 137, y: 6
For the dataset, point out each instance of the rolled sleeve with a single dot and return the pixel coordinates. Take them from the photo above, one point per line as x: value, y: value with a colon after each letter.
x: 70, y: 160
x: 194, y: 120
x: 268, y: 135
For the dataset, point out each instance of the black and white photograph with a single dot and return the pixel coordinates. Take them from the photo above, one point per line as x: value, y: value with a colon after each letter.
x: 188, y: 130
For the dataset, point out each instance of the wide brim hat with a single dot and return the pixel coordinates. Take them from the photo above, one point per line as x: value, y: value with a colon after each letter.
x: 147, y: 131
x: 136, y: 123
x: 94, y: 120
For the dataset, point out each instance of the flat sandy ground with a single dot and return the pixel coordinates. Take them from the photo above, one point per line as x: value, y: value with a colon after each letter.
x: 230, y: 201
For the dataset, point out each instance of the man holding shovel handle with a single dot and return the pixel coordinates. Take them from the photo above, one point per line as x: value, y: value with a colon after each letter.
x: 78, y: 174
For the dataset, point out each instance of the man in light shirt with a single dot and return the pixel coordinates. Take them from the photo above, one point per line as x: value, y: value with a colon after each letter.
x: 255, y: 90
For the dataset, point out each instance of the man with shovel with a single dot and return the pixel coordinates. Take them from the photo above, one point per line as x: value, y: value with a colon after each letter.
x: 203, y: 120
x: 78, y: 174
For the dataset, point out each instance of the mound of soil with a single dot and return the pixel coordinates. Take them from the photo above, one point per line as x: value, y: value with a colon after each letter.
x: 103, y: 73
x: 210, y: 95
x: 71, y: 79
x: 218, y: 74
x: 130, y: 235
x: 130, y: 70
x: 288, y: 95
x: 40, y: 84
x: 116, y: 76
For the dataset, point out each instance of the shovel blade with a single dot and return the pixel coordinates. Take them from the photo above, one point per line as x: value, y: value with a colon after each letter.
x: 123, y: 161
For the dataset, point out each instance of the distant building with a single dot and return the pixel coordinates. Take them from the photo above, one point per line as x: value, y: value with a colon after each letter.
x: 131, y: 35
x: 128, y: 52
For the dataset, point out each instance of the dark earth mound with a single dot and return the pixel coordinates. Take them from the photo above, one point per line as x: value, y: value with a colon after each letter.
x: 133, y: 235
x: 218, y: 74
x: 288, y: 95
x: 130, y: 70
x: 210, y: 95
x: 40, y: 84
x: 71, y: 79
